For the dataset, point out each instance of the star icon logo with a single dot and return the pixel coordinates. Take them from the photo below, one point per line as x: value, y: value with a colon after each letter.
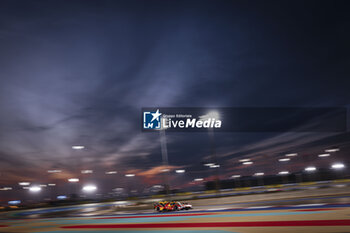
x: 152, y: 120
x: 156, y: 115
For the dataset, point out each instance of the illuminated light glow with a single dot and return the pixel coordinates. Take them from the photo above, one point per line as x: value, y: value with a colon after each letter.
x: 284, y: 159
x: 61, y: 197
x: 73, y: 180
x: 236, y: 176
x: 78, y: 147
x: 210, y: 115
x: 244, y: 160
x: 25, y: 187
x: 24, y: 183
x: 338, y: 166
x: 15, y: 202
x: 54, y: 171
x: 51, y: 184
x: 248, y: 163
x: 291, y: 154
x: 213, y: 114
x: 118, y: 189
x: 209, y: 164
x: 43, y: 185
x: 86, y: 171
x: 180, y: 171
x: 129, y: 175
x: 324, y: 155
x: 198, y: 179
x: 111, y: 172
x: 214, y: 166
x: 5, y: 188
x: 283, y: 173
x: 332, y: 150
x: 259, y: 174
x: 89, y: 188
x: 165, y: 170
x: 35, y: 189
x: 310, y: 169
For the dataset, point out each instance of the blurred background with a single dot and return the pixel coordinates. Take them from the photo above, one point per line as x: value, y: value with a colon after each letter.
x: 74, y: 76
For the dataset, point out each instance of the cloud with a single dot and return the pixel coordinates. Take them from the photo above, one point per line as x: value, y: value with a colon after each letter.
x: 80, y: 74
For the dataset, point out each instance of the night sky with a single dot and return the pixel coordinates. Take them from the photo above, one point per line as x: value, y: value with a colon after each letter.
x: 79, y: 72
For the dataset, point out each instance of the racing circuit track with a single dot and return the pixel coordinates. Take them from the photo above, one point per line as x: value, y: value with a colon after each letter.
x: 316, y: 214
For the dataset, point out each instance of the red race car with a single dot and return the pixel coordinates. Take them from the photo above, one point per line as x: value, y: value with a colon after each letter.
x: 171, y: 206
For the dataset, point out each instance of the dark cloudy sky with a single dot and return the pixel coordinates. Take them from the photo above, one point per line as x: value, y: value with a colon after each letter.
x: 79, y: 72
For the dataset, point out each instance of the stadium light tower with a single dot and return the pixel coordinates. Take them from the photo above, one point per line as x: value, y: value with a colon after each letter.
x: 78, y: 147
x: 24, y: 183
x: 247, y: 163
x: 165, y: 162
x: 332, y: 150
x: 213, y: 115
x: 89, y: 188
x: 283, y: 173
x: 180, y: 171
x: 237, y: 180
x: 73, y: 180
x: 111, y: 172
x: 324, y: 155
x: 284, y: 160
x: 260, y: 178
x: 284, y: 176
x: 244, y: 160
x: 198, y: 179
x: 34, y: 189
x: 338, y: 166
x: 310, y: 169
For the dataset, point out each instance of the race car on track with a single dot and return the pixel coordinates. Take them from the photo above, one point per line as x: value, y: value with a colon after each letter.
x: 171, y: 206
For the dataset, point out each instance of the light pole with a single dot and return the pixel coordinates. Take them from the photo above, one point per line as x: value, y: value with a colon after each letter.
x: 298, y: 174
x: 338, y: 167
x: 236, y: 179
x: 247, y: 162
x: 216, y: 116
x: 129, y: 175
x: 180, y: 171
x: 89, y: 189
x: 310, y: 170
x: 112, y: 181
x: 284, y: 175
x: 74, y: 188
x: 165, y: 161
x: 53, y: 188
x: 334, y: 151
x: 36, y: 190
x: 260, y: 178
x: 77, y: 148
